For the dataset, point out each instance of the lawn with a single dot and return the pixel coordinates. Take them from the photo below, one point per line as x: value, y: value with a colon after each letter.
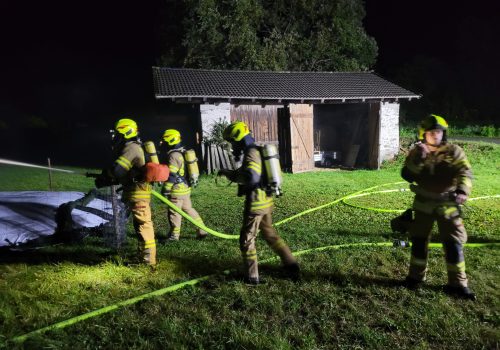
x: 348, y: 298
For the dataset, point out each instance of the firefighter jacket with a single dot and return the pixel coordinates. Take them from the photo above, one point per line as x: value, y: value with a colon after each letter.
x: 128, y: 170
x: 249, y: 179
x: 440, y: 174
x: 176, y: 185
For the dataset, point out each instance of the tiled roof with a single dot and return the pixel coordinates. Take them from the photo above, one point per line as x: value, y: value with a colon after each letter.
x: 198, y: 85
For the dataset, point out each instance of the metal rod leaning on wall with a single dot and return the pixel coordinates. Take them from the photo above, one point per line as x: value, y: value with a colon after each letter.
x: 50, y: 174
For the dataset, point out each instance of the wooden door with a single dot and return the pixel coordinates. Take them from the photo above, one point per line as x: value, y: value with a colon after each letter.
x: 301, y: 137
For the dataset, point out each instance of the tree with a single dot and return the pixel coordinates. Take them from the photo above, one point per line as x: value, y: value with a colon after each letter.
x: 303, y: 35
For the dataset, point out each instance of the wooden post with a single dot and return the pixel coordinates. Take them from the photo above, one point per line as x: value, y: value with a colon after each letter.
x: 50, y: 175
x: 207, y: 157
x: 116, y: 219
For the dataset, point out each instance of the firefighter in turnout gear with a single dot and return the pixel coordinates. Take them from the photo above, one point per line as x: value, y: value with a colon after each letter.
x: 258, y: 204
x: 127, y: 170
x: 441, y: 179
x: 177, y: 188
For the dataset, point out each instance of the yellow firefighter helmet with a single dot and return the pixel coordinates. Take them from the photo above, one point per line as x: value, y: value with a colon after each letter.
x: 236, y: 131
x: 127, y: 127
x: 172, y: 137
x: 431, y: 122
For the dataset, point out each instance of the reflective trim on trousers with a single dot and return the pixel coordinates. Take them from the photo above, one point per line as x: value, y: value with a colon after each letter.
x: 149, y: 244
x: 280, y: 243
x: 180, y: 193
x: 250, y: 255
x: 418, y: 262
x: 460, y: 267
x: 449, y: 211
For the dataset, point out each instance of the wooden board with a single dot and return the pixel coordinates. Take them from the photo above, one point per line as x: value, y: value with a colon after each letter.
x: 262, y: 121
x: 301, y: 137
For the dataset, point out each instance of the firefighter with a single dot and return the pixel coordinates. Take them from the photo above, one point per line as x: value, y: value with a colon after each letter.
x: 258, y: 204
x: 177, y: 188
x: 127, y: 170
x: 441, y: 180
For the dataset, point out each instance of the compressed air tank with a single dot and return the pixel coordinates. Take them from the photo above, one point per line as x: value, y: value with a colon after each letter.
x: 150, y: 152
x: 273, y: 169
x: 192, y: 166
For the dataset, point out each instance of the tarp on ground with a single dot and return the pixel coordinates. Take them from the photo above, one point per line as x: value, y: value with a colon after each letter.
x: 30, y: 215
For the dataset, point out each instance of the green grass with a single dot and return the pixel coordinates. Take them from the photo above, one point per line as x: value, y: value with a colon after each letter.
x: 348, y: 298
x: 409, y: 129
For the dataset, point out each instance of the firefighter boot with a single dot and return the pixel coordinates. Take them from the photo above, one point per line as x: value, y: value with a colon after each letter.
x: 149, y: 252
x: 254, y: 281
x: 173, y: 238
x: 174, y: 234
x: 460, y: 292
x: 201, y: 234
x: 412, y: 283
x: 292, y: 271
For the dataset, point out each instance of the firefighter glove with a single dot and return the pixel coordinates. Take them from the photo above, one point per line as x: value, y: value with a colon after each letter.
x: 102, y: 181
x: 225, y: 172
x: 422, y: 149
x: 460, y: 197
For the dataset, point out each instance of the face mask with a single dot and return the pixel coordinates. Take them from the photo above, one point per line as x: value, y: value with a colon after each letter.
x: 237, y: 149
x: 116, y: 139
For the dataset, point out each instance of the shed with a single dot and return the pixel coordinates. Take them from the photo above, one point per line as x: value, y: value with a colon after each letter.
x: 351, y: 116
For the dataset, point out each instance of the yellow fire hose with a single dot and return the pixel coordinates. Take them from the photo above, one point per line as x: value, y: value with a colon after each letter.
x: 181, y: 285
x: 383, y: 210
x: 173, y: 288
x: 228, y: 236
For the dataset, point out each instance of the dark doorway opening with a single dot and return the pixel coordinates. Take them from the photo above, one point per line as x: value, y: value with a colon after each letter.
x: 344, y: 135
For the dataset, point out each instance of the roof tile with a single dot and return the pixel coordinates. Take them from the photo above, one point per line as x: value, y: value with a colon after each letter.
x: 179, y: 83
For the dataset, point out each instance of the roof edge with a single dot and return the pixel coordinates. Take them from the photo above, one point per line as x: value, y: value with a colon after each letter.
x: 256, y: 99
x: 263, y: 71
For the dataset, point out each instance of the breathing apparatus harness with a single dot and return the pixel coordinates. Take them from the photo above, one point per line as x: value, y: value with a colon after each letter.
x: 271, y: 179
x: 176, y: 178
x: 151, y: 172
x: 191, y: 170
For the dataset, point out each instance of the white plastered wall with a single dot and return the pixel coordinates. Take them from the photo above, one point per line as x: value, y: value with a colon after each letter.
x: 389, y: 131
x: 211, y: 113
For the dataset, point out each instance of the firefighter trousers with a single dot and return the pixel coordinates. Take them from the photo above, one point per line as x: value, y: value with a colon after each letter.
x: 175, y: 219
x: 143, y: 225
x: 248, y: 234
x: 453, y: 236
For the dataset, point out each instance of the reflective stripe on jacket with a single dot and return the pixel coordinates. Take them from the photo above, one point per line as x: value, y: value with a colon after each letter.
x: 249, y: 177
x: 176, y: 183
x: 444, y: 170
x: 131, y: 161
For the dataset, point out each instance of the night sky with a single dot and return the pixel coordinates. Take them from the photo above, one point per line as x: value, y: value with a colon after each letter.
x: 405, y: 29
x: 89, y: 61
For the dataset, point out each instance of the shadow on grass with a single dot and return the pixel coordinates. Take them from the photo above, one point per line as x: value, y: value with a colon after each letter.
x: 194, y: 264
x: 346, y: 280
x: 84, y: 254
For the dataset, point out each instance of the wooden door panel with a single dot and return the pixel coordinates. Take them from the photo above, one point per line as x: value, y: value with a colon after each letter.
x: 301, y: 137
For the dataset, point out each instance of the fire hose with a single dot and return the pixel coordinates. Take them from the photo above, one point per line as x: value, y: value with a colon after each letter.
x: 170, y: 289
